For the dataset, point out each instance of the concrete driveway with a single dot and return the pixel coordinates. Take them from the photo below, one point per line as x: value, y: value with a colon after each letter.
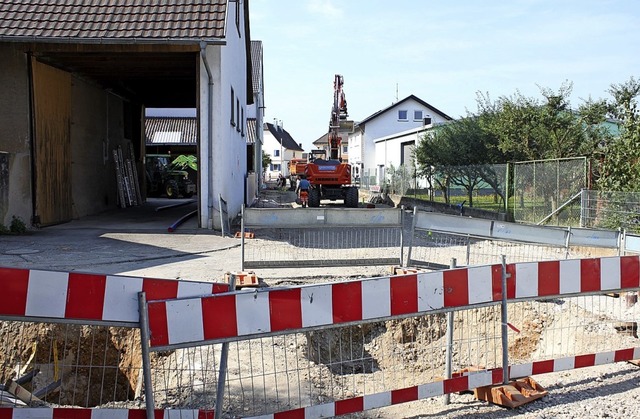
x: 131, y: 241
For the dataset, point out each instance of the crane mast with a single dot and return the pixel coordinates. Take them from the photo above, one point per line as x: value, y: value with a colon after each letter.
x: 338, y: 113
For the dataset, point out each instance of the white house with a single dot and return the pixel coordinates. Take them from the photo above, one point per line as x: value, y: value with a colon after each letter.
x: 375, y: 143
x: 255, y: 118
x: 281, y: 147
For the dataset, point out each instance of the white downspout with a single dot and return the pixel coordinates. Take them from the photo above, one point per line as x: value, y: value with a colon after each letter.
x: 203, y: 53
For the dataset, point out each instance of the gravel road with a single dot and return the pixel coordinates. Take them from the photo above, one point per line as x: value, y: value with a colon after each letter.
x: 606, y: 391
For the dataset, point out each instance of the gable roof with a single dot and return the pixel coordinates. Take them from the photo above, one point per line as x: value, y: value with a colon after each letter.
x: 406, y: 99
x: 124, y: 20
x: 283, y: 137
x: 171, y: 130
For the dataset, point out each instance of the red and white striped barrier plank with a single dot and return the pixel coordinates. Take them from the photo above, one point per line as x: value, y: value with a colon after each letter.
x: 573, y: 362
x: 72, y: 413
x: 468, y: 381
x: 269, y: 311
x: 574, y: 276
x: 85, y: 296
x: 388, y: 398
x: 244, y: 314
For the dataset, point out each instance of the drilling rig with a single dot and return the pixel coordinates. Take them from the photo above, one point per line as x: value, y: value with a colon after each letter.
x: 330, y: 178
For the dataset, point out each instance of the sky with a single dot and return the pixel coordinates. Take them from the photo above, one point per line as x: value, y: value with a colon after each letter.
x: 444, y: 52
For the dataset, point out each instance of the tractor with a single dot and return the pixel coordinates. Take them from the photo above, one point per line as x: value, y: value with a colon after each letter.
x: 164, y: 179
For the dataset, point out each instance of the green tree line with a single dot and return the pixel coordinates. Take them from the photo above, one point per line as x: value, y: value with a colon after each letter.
x: 519, y: 128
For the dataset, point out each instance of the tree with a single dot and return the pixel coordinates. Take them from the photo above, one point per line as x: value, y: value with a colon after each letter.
x: 266, y: 160
x: 460, y: 152
x: 532, y: 129
x: 620, y: 161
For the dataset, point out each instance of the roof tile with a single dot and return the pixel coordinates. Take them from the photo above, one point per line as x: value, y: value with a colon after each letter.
x: 113, y: 19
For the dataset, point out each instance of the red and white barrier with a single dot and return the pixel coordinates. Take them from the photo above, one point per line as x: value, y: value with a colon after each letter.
x: 72, y: 413
x: 274, y: 310
x: 573, y: 276
x: 85, y: 296
x: 468, y: 381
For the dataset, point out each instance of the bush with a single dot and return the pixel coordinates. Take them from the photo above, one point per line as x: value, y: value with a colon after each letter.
x: 17, y: 225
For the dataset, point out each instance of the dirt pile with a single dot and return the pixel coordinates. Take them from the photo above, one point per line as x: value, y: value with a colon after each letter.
x: 73, y: 364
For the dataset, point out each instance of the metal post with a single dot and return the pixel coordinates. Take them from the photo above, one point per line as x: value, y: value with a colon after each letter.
x: 224, y: 354
x: 242, y: 240
x: 413, y: 230
x: 505, y: 338
x: 468, y: 249
x: 506, y: 193
x: 146, y: 362
x: 449, y: 350
x: 402, y: 236
x: 583, y: 207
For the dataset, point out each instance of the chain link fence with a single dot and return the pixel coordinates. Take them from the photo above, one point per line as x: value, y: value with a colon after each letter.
x: 541, y: 187
x: 607, y: 209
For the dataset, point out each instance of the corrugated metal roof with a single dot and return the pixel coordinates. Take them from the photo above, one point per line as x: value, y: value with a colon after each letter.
x: 113, y: 19
x: 252, y: 135
x: 171, y: 130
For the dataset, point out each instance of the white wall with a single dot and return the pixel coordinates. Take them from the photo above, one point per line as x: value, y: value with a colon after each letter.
x: 223, y: 154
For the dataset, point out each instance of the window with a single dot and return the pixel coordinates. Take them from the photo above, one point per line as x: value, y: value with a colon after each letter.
x: 275, y: 167
x: 345, y: 148
x: 402, y: 115
x: 233, y: 107
x: 238, y: 114
x: 276, y: 153
x: 242, y: 121
x: 417, y: 115
x: 238, y: 18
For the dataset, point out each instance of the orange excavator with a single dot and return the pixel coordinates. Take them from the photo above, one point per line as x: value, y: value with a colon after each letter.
x: 330, y: 178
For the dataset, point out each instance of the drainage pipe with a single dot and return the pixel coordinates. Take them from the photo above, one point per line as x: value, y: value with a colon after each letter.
x: 203, y: 54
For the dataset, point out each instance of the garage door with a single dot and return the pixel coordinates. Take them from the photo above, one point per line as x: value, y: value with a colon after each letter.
x: 52, y: 144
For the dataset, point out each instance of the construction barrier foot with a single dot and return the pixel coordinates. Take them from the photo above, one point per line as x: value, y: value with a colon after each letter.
x: 513, y: 394
x: 635, y: 362
x: 247, y: 235
x: 243, y: 279
x: 399, y: 270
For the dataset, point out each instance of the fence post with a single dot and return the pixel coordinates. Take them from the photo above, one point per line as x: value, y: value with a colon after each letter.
x: 584, y: 202
x: 413, y: 232
x: 242, y: 240
x: 146, y: 362
x: 224, y: 354
x: 449, y: 354
x: 505, y: 337
x: 468, y: 249
x: 402, y: 236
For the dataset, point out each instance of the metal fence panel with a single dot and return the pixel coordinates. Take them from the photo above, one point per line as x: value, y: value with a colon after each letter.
x: 71, y: 364
x: 540, y: 187
x: 610, y: 209
x: 310, y: 237
x: 310, y: 369
x: 631, y: 243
